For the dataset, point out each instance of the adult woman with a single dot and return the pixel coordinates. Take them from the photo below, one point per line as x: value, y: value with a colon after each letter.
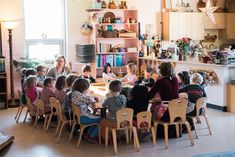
x: 167, y: 85
x: 59, y: 68
x: 107, y: 73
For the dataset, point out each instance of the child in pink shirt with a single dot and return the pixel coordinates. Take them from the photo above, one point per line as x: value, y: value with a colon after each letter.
x: 130, y: 77
x: 47, y: 92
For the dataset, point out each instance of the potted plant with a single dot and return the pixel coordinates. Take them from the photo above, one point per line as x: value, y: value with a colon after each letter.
x: 184, y: 47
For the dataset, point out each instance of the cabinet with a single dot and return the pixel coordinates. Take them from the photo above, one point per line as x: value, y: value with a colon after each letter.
x: 3, y: 90
x: 116, y: 39
x: 177, y: 25
x: 220, y: 19
x: 229, y: 32
x: 230, y: 98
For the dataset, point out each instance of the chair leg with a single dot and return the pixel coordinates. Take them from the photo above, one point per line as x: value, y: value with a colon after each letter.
x: 114, y: 134
x: 71, y: 134
x: 153, y: 135
x: 106, y: 136
x: 26, y: 115
x: 208, y: 126
x: 127, y: 136
x: 36, y: 120
x: 49, y: 122
x: 136, y: 138
x: 177, y: 130
x: 189, y: 133
x: 166, y: 135
x: 131, y: 132
x: 61, y: 129
x: 45, y: 122
x: 19, y: 108
x: 80, y: 136
x: 194, y: 124
x: 58, y: 127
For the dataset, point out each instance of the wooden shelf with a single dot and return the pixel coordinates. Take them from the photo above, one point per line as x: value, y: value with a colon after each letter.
x: 115, y: 24
x: 114, y: 53
x: 117, y: 38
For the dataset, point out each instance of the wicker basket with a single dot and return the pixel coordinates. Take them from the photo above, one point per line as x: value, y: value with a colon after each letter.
x: 110, y: 34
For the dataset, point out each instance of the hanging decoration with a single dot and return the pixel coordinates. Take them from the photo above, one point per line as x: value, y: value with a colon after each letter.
x: 209, y: 10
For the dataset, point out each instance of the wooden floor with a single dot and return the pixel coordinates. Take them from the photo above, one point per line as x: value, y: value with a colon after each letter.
x: 31, y: 142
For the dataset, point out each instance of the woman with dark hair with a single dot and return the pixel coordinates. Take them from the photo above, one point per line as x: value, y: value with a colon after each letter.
x: 184, y: 79
x: 59, y: 68
x: 107, y: 73
x: 83, y: 101
x: 167, y: 85
x: 139, y: 99
x: 60, y: 89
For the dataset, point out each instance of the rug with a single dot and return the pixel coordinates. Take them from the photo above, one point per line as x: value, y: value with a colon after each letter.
x: 220, y: 154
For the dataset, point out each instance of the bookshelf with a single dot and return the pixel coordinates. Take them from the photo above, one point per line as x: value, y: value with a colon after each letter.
x: 120, y: 44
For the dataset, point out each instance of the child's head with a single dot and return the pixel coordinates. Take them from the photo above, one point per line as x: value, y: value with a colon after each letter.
x: 49, y: 82
x: 148, y: 73
x: 184, y: 78
x: 31, y: 81
x: 166, y: 69
x: 60, y: 82
x: 131, y: 68
x: 196, y: 78
x: 86, y: 70
x: 70, y: 79
x: 107, y: 68
x: 115, y: 86
x: 41, y: 70
x: 81, y: 85
x: 30, y: 71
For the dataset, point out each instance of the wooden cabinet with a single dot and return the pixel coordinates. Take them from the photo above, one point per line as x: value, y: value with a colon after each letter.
x: 231, y: 98
x: 229, y: 32
x: 177, y: 25
x: 3, y: 91
x: 220, y: 21
x: 120, y: 48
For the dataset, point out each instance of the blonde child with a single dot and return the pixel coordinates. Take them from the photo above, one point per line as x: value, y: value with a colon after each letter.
x: 130, y: 77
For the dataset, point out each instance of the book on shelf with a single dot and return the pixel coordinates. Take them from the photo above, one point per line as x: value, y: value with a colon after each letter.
x: 104, y: 47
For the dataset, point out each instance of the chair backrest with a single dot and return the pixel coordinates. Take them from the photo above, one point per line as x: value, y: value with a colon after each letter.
x: 144, y: 120
x: 177, y: 108
x: 40, y: 106
x: 54, y: 105
x: 201, y: 103
x: 54, y: 102
x: 28, y: 103
x: 76, y: 113
x: 124, y: 118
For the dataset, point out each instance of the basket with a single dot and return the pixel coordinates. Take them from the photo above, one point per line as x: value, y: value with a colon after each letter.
x: 110, y: 34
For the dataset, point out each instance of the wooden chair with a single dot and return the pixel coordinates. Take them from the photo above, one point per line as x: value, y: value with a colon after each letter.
x: 177, y: 109
x: 20, y: 108
x: 29, y: 107
x: 54, y: 111
x: 124, y: 122
x: 62, y: 121
x: 76, y: 118
x: 200, y: 105
x: 40, y: 112
x: 144, y: 123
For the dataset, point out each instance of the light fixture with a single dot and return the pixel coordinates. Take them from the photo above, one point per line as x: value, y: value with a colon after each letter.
x: 11, y: 12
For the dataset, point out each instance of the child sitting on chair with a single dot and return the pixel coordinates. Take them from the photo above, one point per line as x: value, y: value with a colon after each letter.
x: 147, y: 80
x: 60, y: 89
x: 114, y: 102
x: 108, y: 75
x: 86, y: 74
x: 41, y: 70
x: 130, y: 77
x: 47, y: 92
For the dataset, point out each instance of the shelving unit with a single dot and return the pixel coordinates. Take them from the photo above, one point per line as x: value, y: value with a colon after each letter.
x: 3, y: 90
x: 104, y: 46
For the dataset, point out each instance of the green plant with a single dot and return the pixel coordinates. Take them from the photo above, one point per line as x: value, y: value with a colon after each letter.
x: 27, y: 63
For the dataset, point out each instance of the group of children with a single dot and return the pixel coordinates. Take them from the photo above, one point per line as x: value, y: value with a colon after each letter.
x: 74, y: 89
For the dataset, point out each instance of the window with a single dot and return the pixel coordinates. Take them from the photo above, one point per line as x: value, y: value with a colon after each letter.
x: 44, y: 28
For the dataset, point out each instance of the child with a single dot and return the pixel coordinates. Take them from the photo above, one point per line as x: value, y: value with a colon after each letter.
x: 114, y: 102
x: 147, y: 80
x: 32, y: 91
x: 86, y: 71
x: 47, y: 92
x: 183, y: 79
x: 60, y: 89
x: 130, y: 77
x: 41, y: 70
x: 83, y: 101
x: 69, y: 81
x: 107, y: 73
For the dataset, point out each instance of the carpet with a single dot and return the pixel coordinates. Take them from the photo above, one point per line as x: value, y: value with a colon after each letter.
x: 220, y: 154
